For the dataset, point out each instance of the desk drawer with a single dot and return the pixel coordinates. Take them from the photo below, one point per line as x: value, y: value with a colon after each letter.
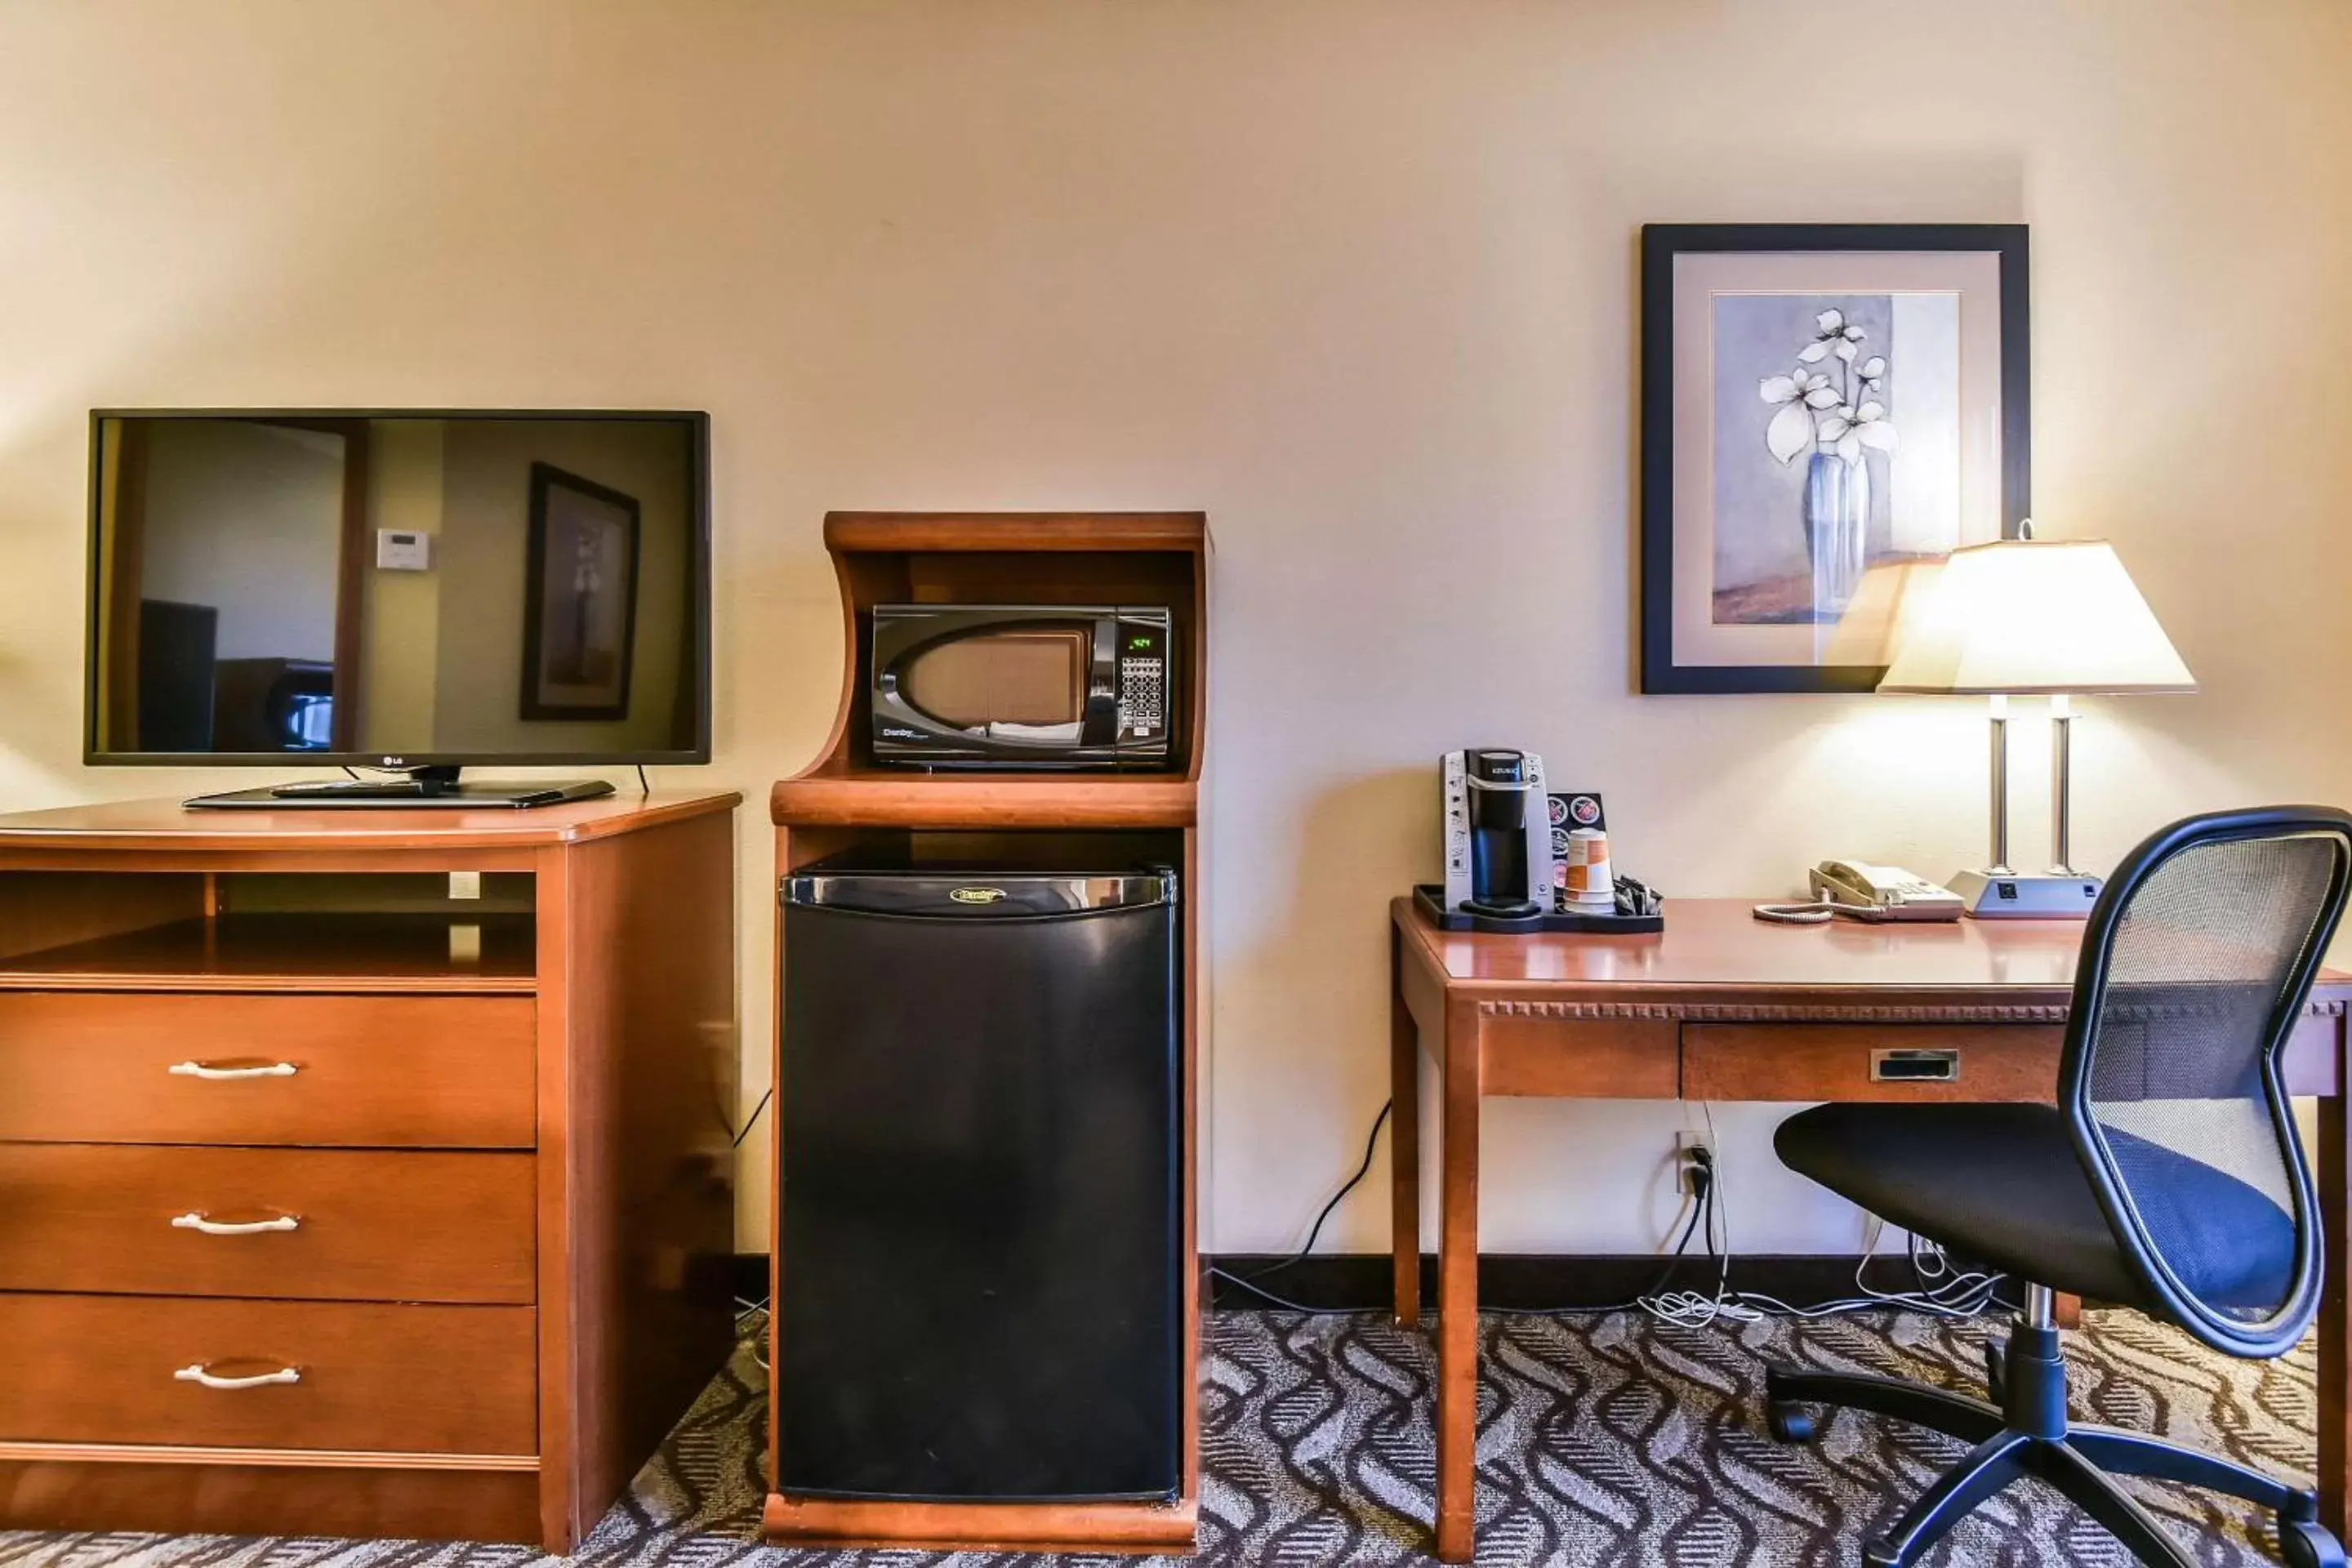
x: 365, y: 1225
x: 98, y: 1066
x: 1805, y: 1062
x: 391, y: 1379
x: 1625, y: 1058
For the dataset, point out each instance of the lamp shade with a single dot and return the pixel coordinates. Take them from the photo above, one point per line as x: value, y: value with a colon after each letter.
x: 2024, y: 616
x: 1874, y: 617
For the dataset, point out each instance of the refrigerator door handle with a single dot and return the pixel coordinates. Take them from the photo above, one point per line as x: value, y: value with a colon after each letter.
x: 976, y: 895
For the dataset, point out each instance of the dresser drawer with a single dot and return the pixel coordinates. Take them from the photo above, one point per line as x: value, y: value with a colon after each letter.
x: 1870, y: 1061
x: 347, y: 1375
x: 148, y: 1068
x: 360, y: 1224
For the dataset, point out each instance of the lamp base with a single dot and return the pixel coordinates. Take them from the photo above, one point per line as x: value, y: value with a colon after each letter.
x: 2006, y: 896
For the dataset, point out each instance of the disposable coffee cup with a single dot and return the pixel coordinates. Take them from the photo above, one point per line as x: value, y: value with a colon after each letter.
x: 1589, y: 885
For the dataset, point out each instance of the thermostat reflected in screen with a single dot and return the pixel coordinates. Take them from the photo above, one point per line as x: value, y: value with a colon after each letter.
x: 403, y: 550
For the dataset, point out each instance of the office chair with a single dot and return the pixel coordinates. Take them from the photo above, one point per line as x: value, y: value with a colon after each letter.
x: 2168, y: 1177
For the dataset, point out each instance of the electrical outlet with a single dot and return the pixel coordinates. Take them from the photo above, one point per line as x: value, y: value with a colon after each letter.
x: 464, y: 884
x: 1688, y: 1144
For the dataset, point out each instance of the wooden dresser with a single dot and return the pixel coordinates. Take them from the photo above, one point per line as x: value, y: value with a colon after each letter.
x: 333, y: 1204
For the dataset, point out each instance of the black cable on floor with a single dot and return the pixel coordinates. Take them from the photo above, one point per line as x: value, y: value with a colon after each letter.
x: 1371, y: 1141
x: 1701, y: 1217
x: 1700, y: 1210
x: 1249, y: 1283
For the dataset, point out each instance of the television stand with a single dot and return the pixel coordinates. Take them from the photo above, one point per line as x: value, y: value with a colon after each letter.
x: 493, y: 1132
x: 434, y: 789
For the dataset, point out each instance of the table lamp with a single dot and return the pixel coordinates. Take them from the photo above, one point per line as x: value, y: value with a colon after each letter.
x: 2023, y: 616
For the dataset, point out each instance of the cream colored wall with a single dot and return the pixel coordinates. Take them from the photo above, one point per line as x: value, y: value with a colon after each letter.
x: 1356, y: 277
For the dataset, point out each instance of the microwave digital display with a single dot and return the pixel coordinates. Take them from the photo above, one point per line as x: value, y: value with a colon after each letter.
x: 1021, y: 686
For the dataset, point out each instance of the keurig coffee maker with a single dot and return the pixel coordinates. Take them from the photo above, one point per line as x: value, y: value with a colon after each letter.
x: 1521, y: 860
x: 1498, y: 834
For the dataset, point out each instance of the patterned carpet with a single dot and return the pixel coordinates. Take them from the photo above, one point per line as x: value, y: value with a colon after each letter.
x: 1608, y: 1442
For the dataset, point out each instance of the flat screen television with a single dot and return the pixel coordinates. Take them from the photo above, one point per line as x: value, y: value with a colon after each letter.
x: 402, y: 590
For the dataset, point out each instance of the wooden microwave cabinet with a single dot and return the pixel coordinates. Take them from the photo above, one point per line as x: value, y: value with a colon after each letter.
x: 332, y: 1204
x: 851, y: 803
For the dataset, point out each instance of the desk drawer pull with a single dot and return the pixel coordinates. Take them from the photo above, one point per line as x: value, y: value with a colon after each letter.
x: 211, y: 1074
x: 199, y: 1374
x: 196, y: 1220
x: 1914, y: 1067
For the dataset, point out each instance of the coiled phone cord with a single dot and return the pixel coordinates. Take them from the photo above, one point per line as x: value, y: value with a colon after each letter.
x: 1813, y: 912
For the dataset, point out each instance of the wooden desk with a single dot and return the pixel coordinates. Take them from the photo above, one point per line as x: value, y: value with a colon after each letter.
x: 1724, y: 1006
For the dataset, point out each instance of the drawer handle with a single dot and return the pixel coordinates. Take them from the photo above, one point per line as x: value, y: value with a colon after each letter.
x: 199, y: 1373
x: 211, y: 1074
x: 1914, y: 1067
x: 194, y: 1220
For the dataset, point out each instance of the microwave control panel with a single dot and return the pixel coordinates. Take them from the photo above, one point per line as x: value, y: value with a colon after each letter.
x: 1143, y: 675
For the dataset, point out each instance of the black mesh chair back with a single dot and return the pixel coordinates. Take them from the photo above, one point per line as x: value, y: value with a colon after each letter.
x: 2195, y: 964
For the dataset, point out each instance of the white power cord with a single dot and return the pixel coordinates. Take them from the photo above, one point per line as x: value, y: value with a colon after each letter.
x: 1689, y: 1309
x: 747, y: 1312
x: 1947, y: 1291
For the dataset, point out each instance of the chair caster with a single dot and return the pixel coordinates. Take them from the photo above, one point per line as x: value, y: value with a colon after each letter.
x: 1996, y: 1371
x: 2304, y: 1544
x: 1877, y: 1553
x: 1791, y: 1424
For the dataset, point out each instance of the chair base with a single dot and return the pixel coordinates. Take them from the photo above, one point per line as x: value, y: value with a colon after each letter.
x: 2028, y: 1434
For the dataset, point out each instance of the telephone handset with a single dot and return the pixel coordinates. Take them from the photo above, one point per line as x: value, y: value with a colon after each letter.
x: 1871, y: 892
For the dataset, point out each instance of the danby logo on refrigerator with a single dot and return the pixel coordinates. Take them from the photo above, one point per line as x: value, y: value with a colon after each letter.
x: 976, y: 895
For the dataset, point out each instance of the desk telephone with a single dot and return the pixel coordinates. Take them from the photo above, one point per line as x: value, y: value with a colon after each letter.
x: 1871, y: 892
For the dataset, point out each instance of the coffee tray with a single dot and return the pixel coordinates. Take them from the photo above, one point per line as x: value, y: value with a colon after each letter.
x: 1431, y: 897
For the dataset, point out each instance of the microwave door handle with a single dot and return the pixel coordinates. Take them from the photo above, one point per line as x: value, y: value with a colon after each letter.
x: 1101, y: 726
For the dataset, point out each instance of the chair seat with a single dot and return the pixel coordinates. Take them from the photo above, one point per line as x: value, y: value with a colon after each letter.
x: 2003, y: 1185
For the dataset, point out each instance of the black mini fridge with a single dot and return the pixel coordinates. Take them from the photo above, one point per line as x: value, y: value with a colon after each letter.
x: 978, y: 1282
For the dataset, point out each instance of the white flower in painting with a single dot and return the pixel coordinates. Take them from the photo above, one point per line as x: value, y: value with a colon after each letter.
x: 1829, y: 409
x: 1832, y: 331
x: 1846, y: 430
x: 1799, y: 395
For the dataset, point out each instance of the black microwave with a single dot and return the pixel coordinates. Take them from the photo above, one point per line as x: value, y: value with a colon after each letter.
x: 1021, y: 686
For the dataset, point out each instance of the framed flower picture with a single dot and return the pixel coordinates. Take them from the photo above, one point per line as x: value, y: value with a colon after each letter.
x: 1825, y: 410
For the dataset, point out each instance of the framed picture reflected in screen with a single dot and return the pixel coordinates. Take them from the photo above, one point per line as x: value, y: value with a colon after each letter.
x: 580, y: 619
